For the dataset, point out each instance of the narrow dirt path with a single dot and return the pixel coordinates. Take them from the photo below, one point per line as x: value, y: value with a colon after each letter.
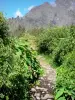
x: 45, y: 90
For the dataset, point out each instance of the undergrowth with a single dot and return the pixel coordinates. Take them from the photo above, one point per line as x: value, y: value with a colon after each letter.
x: 58, y: 46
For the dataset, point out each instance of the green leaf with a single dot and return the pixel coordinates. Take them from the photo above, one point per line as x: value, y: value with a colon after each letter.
x: 59, y: 93
x: 7, y: 98
x: 68, y: 92
x: 1, y: 96
x: 62, y: 98
x: 73, y: 98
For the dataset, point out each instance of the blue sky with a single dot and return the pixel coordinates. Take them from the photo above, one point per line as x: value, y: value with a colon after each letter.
x: 13, y: 8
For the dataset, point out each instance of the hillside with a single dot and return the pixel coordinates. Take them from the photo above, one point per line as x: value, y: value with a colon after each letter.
x: 61, y: 13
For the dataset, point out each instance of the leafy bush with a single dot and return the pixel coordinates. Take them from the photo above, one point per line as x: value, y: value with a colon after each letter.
x: 46, y: 42
x: 18, y: 70
x: 49, y: 39
x: 72, y: 31
x: 59, y: 43
x: 3, y: 27
x: 36, y: 31
x: 70, y: 60
x: 66, y: 81
x: 65, y: 46
x: 65, y: 86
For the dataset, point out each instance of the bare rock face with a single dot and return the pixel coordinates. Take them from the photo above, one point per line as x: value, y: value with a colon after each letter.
x: 65, y: 3
x: 62, y: 12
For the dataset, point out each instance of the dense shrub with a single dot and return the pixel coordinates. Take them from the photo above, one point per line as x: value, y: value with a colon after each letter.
x: 45, y: 42
x: 65, y: 87
x: 49, y: 39
x: 65, y: 81
x: 3, y: 27
x: 72, y: 31
x: 65, y: 46
x: 59, y: 43
x: 36, y: 31
x: 18, y: 70
x: 70, y: 60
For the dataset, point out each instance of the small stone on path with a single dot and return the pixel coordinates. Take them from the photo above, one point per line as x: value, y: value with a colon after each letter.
x: 47, y: 96
x: 33, y: 90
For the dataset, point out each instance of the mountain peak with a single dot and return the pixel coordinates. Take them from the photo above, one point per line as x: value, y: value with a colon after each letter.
x: 46, y: 14
x: 46, y: 3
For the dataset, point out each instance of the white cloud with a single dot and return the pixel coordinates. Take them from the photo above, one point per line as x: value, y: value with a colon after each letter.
x: 18, y: 13
x: 29, y: 8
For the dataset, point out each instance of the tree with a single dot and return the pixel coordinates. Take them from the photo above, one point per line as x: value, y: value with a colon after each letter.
x: 3, y: 27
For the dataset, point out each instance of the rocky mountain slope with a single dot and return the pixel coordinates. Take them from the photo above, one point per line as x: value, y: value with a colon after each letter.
x: 62, y: 12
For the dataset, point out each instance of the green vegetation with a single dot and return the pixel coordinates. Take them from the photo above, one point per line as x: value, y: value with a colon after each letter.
x: 59, y: 44
x: 3, y: 28
x: 66, y: 78
x: 19, y: 68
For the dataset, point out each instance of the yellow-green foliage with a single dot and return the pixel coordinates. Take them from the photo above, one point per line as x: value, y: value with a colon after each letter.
x: 49, y: 39
x: 66, y: 78
x: 3, y: 26
x: 18, y: 69
x: 59, y: 43
x: 65, y: 46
